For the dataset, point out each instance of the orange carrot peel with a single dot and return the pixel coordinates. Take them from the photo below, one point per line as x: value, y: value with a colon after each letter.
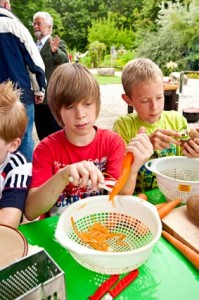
x: 126, y: 168
x: 98, y: 235
x: 189, y: 253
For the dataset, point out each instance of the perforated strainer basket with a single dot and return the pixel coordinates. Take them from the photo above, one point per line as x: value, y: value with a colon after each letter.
x: 177, y: 176
x: 137, y: 219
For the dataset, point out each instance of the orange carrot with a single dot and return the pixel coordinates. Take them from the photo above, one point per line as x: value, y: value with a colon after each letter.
x: 190, y: 254
x: 159, y: 205
x: 126, y: 168
x: 143, y: 196
x: 167, y: 208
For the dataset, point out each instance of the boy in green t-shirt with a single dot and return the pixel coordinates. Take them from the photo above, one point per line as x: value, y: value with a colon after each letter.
x: 143, y: 84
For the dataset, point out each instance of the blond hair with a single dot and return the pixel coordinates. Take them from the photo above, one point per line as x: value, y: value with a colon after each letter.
x: 13, y: 117
x: 71, y: 83
x: 139, y: 70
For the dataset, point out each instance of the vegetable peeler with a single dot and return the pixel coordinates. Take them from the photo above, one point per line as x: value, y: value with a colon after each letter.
x: 185, y: 135
x: 104, y: 292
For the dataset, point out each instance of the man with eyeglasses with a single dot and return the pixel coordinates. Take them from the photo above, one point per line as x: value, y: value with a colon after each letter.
x: 53, y: 52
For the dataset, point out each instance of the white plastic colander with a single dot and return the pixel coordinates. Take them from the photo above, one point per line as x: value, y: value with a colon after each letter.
x: 177, y: 176
x: 137, y: 219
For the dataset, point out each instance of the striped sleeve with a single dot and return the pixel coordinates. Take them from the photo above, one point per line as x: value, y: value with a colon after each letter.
x: 16, y: 180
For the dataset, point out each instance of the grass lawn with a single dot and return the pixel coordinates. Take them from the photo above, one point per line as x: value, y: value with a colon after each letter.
x: 108, y: 79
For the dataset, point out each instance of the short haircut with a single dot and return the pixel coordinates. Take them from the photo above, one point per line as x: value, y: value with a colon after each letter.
x: 139, y: 70
x: 13, y: 117
x: 71, y: 83
x: 45, y: 15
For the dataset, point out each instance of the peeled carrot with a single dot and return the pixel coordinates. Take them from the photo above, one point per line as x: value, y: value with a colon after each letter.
x: 167, y: 208
x: 159, y: 205
x: 126, y: 168
x: 190, y: 254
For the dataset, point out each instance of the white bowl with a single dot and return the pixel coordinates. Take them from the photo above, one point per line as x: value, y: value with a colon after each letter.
x: 177, y: 176
x: 129, y: 213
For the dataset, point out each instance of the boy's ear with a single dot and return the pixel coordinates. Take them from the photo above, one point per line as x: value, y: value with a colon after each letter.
x: 126, y: 99
x: 14, y: 145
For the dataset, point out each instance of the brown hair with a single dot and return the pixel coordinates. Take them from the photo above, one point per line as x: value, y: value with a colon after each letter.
x: 13, y: 117
x: 71, y: 83
x: 139, y: 70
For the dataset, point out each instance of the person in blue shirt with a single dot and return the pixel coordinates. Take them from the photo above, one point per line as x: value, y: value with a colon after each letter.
x: 21, y: 63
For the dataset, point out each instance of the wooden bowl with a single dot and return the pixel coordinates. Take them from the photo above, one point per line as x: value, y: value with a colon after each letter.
x: 13, y: 245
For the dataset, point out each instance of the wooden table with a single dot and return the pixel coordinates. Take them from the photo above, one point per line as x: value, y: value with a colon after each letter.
x: 170, y: 95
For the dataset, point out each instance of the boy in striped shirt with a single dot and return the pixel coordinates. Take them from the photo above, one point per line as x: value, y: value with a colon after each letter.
x: 15, y: 170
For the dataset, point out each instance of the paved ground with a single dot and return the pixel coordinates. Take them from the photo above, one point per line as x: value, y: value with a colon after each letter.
x: 112, y: 104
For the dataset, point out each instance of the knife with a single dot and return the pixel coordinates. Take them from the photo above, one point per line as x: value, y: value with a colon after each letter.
x: 105, y: 293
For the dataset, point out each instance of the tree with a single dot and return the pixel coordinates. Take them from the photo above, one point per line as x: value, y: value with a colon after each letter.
x: 106, y: 31
x: 31, y: 7
x: 177, y: 33
x: 97, y: 51
x: 77, y: 16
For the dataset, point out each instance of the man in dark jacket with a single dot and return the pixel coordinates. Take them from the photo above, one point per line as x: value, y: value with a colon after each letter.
x: 53, y: 52
x: 21, y: 63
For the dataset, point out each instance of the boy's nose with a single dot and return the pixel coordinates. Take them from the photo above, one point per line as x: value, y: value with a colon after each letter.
x: 154, y: 104
x: 79, y: 113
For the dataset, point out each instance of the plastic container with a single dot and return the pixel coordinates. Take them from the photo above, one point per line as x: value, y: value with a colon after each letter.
x: 177, y: 176
x: 137, y: 219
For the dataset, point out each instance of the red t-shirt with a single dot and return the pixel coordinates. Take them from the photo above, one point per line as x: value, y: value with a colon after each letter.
x: 106, y: 151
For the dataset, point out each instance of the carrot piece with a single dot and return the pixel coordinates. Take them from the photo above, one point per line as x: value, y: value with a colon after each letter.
x: 98, y: 235
x: 167, y: 208
x: 189, y: 253
x: 159, y: 205
x: 143, y: 196
x: 126, y: 168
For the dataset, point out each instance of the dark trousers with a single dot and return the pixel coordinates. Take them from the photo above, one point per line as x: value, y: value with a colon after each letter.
x: 45, y: 123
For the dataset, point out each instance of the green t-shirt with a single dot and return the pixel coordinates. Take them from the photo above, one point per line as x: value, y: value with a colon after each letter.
x: 127, y: 127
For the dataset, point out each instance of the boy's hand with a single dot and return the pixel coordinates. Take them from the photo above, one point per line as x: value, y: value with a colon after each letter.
x: 162, y: 138
x: 82, y: 172
x: 191, y: 148
x: 142, y: 150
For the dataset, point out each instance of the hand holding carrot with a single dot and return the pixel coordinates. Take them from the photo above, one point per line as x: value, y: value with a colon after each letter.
x: 139, y: 150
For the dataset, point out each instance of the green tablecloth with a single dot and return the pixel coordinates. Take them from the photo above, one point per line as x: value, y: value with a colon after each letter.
x: 166, y: 275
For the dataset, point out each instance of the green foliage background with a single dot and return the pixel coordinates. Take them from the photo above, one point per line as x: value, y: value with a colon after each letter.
x: 161, y: 30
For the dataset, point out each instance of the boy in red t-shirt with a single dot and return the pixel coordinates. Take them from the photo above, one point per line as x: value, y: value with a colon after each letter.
x: 80, y: 150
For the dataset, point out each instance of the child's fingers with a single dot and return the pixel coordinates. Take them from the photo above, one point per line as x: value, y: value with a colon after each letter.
x: 85, y: 171
x: 191, y: 148
x: 142, y: 130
